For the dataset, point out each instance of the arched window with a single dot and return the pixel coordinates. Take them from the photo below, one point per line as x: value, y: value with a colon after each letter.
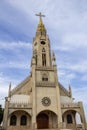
x: 23, y: 120
x: 13, y: 120
x: 69, y: 119
x: 43, y: 57
x: 35, y: 55
x: 44, y: 77
x: 43, y: 50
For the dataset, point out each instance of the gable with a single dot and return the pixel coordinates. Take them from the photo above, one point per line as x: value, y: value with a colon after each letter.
x: 63, y: 91
x: 23, y: 88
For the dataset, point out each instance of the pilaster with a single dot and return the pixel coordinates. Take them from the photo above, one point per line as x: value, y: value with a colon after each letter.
x: 5, y: 118
x: 33, y: 94
x: 58, y: 98
x: 83, y: 115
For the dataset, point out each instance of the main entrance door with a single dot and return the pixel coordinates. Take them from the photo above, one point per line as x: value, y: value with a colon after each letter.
x: 42, y: 121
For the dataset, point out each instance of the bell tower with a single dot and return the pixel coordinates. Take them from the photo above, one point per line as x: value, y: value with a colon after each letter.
x: 45, y: 89
x: 41, y: 45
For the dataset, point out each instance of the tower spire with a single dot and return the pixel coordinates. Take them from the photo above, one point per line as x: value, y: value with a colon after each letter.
x: 41, y: 28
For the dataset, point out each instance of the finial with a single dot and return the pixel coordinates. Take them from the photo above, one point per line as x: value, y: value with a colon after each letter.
x: 70, y: 90
x: 69, y: 87
x: 53, y: 58
x: 10, y: 84
x: 9, y: 89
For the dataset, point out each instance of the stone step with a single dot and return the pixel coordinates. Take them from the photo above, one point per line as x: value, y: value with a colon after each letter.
x: 54, y: 129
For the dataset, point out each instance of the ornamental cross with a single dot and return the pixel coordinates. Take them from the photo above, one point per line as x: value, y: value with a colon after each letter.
x: 40, y: 15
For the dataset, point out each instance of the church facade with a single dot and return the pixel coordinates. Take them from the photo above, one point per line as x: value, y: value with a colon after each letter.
x: 40, y: 101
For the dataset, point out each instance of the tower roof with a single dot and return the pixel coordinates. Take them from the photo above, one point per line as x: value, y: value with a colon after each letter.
x: 41, y: 28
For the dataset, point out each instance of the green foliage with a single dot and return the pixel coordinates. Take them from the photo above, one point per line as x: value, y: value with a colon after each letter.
x: 1, y: 113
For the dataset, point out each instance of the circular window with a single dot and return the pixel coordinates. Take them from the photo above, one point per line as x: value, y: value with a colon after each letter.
x: 46, y: 101
x: 42, y: 42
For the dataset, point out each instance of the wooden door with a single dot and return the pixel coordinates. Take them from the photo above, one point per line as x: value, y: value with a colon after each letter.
x: 42, y: 121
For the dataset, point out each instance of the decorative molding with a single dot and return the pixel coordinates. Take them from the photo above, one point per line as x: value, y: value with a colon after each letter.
x: 44, y: 68
x: 70, y: 105
x: 45, y: 84
x: 19, y: 106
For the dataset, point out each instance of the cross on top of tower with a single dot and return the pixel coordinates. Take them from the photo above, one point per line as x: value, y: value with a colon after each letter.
x: 40, y: 15
x: 41, y: 28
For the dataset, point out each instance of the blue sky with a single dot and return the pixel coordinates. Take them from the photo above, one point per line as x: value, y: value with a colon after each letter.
x: 66, y: 24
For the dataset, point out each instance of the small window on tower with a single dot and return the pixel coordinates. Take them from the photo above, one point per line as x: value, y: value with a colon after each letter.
x: 43, y: 50
x: 44, y: 77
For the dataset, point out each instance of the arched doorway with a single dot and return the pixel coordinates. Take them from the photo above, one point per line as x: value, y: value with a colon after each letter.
x: 42, y: 121
x: 47, y: 119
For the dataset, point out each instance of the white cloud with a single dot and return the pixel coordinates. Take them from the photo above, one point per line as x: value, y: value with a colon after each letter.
x: 14, y: 45
x: 79, y: 66
x: 18, y: 65
x: 84, y: 77
x: 15, y: 64
x: 3, y: 91
x: 66, y: 77
x: 80, y: 93
x: 75, y: 40
x: 17, y: 57
x: 62, y: 47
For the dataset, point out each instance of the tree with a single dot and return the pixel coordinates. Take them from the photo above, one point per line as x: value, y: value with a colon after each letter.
x: 1, y: 113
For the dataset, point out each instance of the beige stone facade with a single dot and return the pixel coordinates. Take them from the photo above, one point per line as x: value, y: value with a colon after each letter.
x: 40, y: 101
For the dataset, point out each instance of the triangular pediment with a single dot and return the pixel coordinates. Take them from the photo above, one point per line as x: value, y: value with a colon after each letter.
x: 63, y: 90
x: 24, y: 87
